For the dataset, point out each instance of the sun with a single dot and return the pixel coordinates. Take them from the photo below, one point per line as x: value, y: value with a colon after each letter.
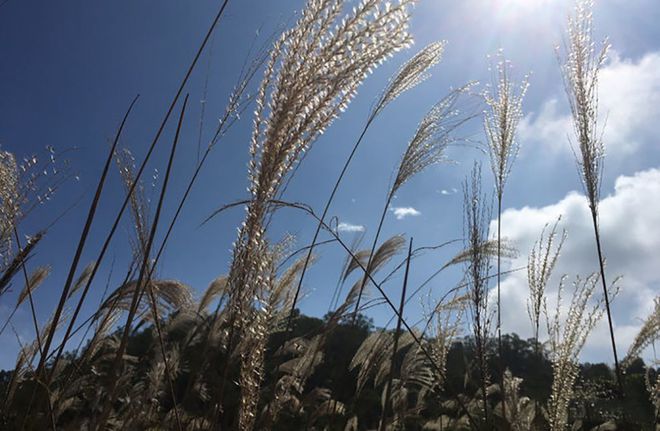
x: 513, y: 10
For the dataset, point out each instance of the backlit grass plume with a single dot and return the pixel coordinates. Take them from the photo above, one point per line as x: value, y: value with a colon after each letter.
x: 504, y: 112
x: 568, y: 332
x: 313, y: 73
x: 647, y: 335
x: 581, y: 68
x: 411, y: 74
x: 540, y: 264
x: 8, y: 205
x: 476, y: 215
x: 501, y: 119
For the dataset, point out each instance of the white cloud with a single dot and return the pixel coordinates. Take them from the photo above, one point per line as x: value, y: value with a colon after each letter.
x: 446, y: 192
x: 629, y: 93
x: 630, y: 230
x: 347, y: 227
x: 402, y: 212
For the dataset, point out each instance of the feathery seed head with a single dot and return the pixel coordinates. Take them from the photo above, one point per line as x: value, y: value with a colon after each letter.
x: 433, y: 135
x: 581, y: 68
x: 412, y: 73
x: 501, y: 120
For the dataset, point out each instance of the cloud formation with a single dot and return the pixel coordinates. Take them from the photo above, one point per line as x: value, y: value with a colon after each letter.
x: 402, y: 212
x: 446, y: 192
x: 629, y: 93
x: 630, y: 229
x: 348, y: 227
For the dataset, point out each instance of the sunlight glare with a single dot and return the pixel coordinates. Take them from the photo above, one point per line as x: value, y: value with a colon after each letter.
x: 517, y: 9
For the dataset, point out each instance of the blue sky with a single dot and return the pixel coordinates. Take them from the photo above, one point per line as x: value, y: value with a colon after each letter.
x: 70, y: 69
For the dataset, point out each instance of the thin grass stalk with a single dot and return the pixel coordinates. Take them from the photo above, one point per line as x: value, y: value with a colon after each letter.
x: 150, y: 290
x: 65, y: 292
x: 161, y: 342
x: 601, y: 264
x: 475, y: 220
x: 323, y: 216
x: 34, y: 321
x: 103, y: 296
x: 112, y: 395
x: 74, y: 264
x: 202, y: 102
x: 29, y: 287
x: 148, y: 155
x: 499, y: 303
x: 224, y: 125
x: 388, y: 392
x: 79, y: 249
x: 373, y: 249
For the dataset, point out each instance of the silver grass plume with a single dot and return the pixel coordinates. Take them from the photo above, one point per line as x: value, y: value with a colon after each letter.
x: 433, y: 135
x: 568, y: 333
x: 388, y: 249
x: 448, y: 318
x: 289, y: 389
x: 415, y: 380
x: 313, y: 73
x: 580, y: 69
x: 299, y: 369
x: 83, y: 278
x: 501, y: 119
x: 411, y: 74
x: 218, y: 287
x: 358, y: 260
x: 476, y: 221
x: 488, y: 248
x: 252, y: 346
x: 139, y: 204
x: 37, y: 277
x: 25, y: 358
x: 24, y: 185
x: 9, y: 207
x: 519, y: 411
x: 504, y: 103
x: 170, y: 295
x: 652, y: 384
x: 540, y: 264
x: 647, y: 335
x: 373, y: 357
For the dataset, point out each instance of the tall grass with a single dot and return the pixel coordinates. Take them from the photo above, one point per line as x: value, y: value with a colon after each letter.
x: 476, y: 216
x: 581, y: 69
x: 500, y: 123
x: 238, y: 356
